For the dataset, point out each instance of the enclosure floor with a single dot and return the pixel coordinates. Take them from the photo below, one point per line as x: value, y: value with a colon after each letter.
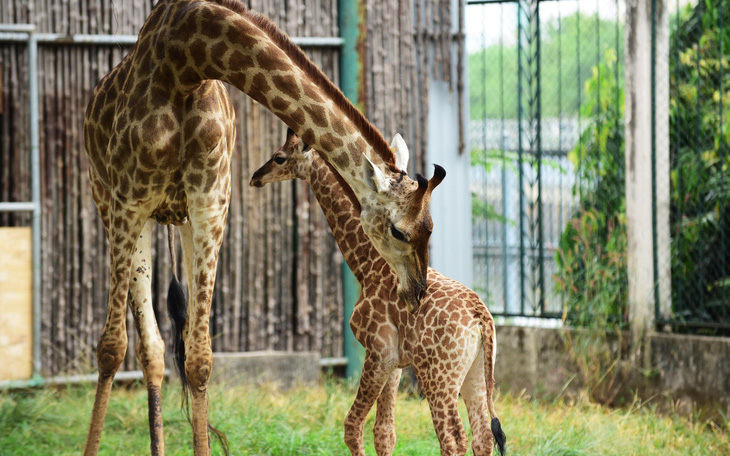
x: 263, y: 421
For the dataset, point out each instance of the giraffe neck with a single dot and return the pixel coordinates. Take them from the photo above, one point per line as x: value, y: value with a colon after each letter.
x: 222, y: 40
x: 342, y: 210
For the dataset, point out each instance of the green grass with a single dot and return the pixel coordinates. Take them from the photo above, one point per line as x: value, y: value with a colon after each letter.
x: 261, y: 421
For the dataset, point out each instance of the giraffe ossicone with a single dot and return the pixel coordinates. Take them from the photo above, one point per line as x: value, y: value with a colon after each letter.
x: 400, y: 149
x: 450, y: 341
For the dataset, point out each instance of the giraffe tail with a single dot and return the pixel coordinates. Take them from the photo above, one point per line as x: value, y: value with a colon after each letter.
x: 489, y: 345
x: 177, y: 310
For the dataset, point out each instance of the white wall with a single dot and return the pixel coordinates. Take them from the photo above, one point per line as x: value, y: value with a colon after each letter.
x: 451, y: 242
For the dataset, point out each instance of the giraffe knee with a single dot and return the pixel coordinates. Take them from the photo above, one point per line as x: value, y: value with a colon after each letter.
x: 110, y: 353
x: 454, y: 441
x: 151, y: 356
x: 353, y: 430
x: 197, y: 371
x: 483, y: 446
x: 384, y: 438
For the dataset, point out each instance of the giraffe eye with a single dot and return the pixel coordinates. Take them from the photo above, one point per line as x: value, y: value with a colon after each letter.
x: 279, y: 160
x: 397, y: 233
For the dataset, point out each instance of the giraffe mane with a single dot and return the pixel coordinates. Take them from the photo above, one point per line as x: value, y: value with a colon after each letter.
x: 370, y: 133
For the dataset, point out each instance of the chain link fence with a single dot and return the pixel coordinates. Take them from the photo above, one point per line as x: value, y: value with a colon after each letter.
x: 699, y: 137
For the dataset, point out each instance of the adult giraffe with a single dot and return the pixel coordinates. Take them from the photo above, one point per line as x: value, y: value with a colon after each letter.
x: 450, y: 341
x: 159, y: 133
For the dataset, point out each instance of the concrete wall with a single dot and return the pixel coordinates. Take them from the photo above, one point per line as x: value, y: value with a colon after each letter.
x: 687, y: 373
x: 283, y: 369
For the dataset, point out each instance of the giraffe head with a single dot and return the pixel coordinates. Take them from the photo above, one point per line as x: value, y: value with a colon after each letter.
x: 394, y: 215
x: 396, y: 218
x: 290, y: 161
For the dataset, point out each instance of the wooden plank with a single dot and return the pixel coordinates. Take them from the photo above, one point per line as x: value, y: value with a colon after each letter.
x: 16, y: 304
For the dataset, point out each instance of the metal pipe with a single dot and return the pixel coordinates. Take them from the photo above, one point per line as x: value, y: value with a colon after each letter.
x: 23, y: 28
x: 35, y: 166
x: 318, y: 41
x: 351, y: 18
x: 23, y: 34
x: 17, y: 207
x: 65, y: 38
x: 71, y: 380
x: 13, y: 36
x: 333, y: 362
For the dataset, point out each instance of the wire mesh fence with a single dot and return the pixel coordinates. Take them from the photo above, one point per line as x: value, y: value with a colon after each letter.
x: 545, y: 94
x: 699, y: 137
x: 547, y: 144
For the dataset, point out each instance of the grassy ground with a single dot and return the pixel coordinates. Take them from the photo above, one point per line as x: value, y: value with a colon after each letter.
x: 260, y: 421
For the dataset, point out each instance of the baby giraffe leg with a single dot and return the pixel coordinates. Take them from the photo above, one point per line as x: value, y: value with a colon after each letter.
x: 384, y: 428
x: 150, y: 347
x: 474, y: 392
x: 122, y: 231
x: 447, y: 423
x: 442, y: 392
x: 374, y: 376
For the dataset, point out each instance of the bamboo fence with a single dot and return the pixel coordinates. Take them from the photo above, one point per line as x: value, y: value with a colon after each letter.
x: 279, y: 284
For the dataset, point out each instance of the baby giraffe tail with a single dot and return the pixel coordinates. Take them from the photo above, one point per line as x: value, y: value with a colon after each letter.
x: 489, y: 344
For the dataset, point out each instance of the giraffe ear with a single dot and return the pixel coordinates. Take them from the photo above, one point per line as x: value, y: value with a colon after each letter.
x: 374, y: 177
x: 401, y: 152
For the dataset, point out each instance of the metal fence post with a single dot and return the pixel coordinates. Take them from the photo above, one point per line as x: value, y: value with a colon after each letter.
x: 351, y: 16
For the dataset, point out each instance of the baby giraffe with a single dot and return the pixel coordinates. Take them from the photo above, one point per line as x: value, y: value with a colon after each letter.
x: 449, y: 340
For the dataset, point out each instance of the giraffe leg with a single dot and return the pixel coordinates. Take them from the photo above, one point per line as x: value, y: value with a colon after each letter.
x: 375, y: 374
x: 384, y: 428
x: 447, y: 422
x: 206, y: 236
x: 474, y: 392
x: 150, y: 346
x: 122, y: 231
x: 442, y: 392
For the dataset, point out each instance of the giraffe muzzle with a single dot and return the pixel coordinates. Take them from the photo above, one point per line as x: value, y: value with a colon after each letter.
x: 413, y: 294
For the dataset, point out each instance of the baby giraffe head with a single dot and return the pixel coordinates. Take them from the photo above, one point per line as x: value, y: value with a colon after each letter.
x: 290, y: 161
x: 394, y: 213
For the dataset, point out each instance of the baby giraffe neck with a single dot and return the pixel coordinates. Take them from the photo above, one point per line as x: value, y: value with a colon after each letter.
x: 342, y: 211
